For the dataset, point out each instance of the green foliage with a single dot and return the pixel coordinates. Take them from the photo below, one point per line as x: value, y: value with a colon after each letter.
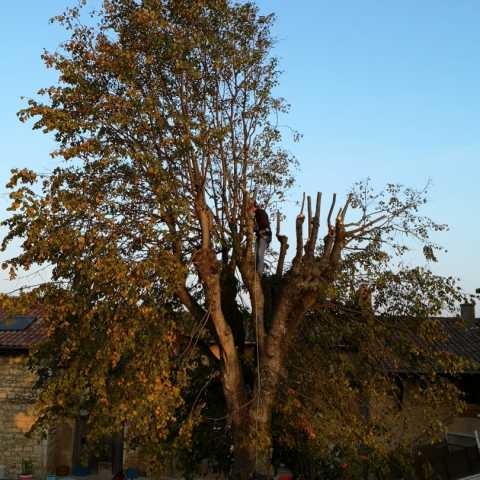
x: 154, y: 99
x: 364, y: 389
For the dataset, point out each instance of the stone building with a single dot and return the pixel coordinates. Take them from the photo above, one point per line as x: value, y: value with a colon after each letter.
x: 63, y: 449
x: 16, y: 397
x: 64, y: 444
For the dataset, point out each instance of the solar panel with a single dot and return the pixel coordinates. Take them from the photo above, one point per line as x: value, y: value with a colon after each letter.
x: 18, y: 322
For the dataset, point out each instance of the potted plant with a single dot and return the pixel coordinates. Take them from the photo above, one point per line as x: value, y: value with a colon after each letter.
x: 27, y: 470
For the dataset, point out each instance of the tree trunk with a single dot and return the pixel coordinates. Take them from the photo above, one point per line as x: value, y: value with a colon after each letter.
x: 253, y: 440
x: 253, y: 445
x: 244, y: 452
x: 263, y: 439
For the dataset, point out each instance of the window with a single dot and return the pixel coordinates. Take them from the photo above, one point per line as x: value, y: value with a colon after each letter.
x: 17, y: 323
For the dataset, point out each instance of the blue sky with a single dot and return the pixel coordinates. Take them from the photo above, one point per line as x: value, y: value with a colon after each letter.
x: 388, y: 90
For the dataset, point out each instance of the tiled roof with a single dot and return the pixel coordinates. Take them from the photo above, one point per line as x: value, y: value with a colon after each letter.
x: 23, y: 339
x: 458, y: 340
x: 461, y: 341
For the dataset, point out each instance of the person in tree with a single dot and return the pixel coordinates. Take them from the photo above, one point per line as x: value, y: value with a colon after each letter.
x: 264, y: 236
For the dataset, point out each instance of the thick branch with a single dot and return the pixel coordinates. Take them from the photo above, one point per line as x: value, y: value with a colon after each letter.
x: 337, y: 246
x: 233, y: 383
x: 329, y: 240
x: 303, y: 204
x: 365, y: 228
x: 182, y: 292
x: 195, y: 310
x: 309, y: 209
x: 253, y: 282
x: 290, y: 310
x: 332, y: 206
x: 345, y: 208
x: 312, y: 240
x: 248, y: 218
x: 299, y: 233
x: 251, y: 279
x: 208, y: 268
x: 283, y: 239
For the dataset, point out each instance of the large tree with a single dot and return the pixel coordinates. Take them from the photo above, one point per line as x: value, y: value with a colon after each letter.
x: 166, y: 118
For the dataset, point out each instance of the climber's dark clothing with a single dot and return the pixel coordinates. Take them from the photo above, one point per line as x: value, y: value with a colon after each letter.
x: 264, y: 237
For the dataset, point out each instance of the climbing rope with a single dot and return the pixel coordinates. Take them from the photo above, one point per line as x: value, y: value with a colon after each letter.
x: 259, y: 379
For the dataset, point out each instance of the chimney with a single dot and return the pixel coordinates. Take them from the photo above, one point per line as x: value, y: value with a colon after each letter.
x: 468, y: 313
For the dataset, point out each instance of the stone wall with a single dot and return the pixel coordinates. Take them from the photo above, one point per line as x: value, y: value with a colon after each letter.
x: 17, y: 416
x: 407, y: 419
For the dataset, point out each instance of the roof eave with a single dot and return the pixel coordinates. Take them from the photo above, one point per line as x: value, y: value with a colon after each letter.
x: 9, y: 349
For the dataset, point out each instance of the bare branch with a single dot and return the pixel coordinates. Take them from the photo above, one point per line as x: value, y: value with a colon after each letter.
x: 309, y: 208
x: 329, y: 219
x: 339, y: 216
x: 248, y: 219
x: 338, y: 245
x: 303, y: 204
x: 345, y: 207
x: 299, y: 231
x: 195, y: 310
x: 312, y: 240
x: 364, y: 228
x: 365, y: 217
x: 283, y: 239
x: 329, y: 241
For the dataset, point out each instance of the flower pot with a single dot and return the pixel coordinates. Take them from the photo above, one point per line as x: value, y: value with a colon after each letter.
x: 62, y: 470
x: 25, y: 476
